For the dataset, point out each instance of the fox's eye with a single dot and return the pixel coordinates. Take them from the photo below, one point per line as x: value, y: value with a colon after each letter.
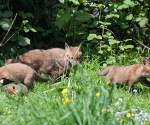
x: 71, y: 57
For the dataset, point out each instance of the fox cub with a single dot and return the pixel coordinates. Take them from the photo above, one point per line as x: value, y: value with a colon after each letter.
x: 128, y: 74
x: 43, y: 62
x: 22, y: 73
x: 70, y: 54
x: 15, y: 89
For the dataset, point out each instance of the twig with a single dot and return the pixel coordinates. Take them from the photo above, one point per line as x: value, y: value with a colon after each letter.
x: 1, y: 44
x: 139, y: 42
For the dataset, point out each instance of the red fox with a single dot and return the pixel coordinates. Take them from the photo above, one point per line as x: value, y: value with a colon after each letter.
x: 71, y: 54
x: 22, y: 73
x: 43, y: 62
x: 15, y: 89
x: 128, y: 74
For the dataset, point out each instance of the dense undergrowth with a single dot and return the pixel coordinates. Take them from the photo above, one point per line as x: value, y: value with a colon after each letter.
x: 82, y: 99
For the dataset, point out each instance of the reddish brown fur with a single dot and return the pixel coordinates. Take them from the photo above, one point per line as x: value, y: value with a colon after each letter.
x: 20, y: 72
x: 128, y: 74
x: 43, y: 62
x: 71, y: 54
x: 15, y: 88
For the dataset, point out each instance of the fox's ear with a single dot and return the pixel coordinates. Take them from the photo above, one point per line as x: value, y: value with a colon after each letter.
x: 67, y: 47
x: 17, y: 58
x: 80, y: 46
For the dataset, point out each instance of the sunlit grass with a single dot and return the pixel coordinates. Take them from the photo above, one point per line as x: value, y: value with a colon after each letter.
x: 83, y: 98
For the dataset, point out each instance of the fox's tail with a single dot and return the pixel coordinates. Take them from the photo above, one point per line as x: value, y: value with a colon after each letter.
x: 41, y: 78
x: 104, y: 72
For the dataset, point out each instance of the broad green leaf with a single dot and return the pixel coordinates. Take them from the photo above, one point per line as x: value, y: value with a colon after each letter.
x: 126, y: 40
x: 138, y: 19
x: 7, y: 14
x: 124, y: 25
x: 26, y: 29
x: 21, y: 13
x: 76, y: 2
x: 25, y: 21
x: 111, y: 16
x: 91, y: 36
x: 143, y: 22
x: 123, y: 6
x: 128, y: 46
x: 29, y: 14
x: 104, y: 46
x: 129, y: 16
x: 23, y: 41
x: 83, y: 16
x: 33, y: 30
x: 130, y: 3
x: 98, y: 37
x: 82, y: 1
x: 108, y: 33
x: 109, y: 49
x: 5, y: 23
x: 62, y: 18
x: 100, y: 51
x: 112, y: 41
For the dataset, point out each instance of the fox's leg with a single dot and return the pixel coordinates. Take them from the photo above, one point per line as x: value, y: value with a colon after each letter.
x: 145, y: 82
x: 28, y: 81
x: 54, y: 75
x: 130, y: 85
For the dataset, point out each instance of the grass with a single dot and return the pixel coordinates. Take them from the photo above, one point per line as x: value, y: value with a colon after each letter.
x: 88, y: 101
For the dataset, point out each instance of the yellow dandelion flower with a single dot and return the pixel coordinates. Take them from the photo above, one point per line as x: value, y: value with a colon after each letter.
x: 65, y: 100
x: 128, y: 115
x: 121, y: 120
x: 104, y: 110
x: 132, y: 114
x: 108, y: 110
x: 64, y: 91
x: 98, y: 94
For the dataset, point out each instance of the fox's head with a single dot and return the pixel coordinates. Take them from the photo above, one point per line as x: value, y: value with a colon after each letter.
x: 8, y: 61
x: 73, y: 54
x: 12, y: 89
x: 146, y: 66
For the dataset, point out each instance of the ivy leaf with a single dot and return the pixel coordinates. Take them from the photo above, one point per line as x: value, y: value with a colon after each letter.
x: 83, y: 16
x: 62, y: 18
x: 129, y: 16
x: 23, y: 41
x: 91, y: 36
x: 112, y: 41
x: 98, y: 37
x: 143, y: 21
x: 7, y: 14
x: 5, y: 23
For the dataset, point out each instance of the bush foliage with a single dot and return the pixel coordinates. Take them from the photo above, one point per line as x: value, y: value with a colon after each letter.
x: 111, y: 26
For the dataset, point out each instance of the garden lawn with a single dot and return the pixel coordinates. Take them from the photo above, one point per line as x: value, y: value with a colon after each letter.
x: 82, y: 99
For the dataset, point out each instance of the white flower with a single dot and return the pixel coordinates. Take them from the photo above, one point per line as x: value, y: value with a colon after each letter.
x: 134, y: 91
x: 120, y: 99
x: 1, y: 81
